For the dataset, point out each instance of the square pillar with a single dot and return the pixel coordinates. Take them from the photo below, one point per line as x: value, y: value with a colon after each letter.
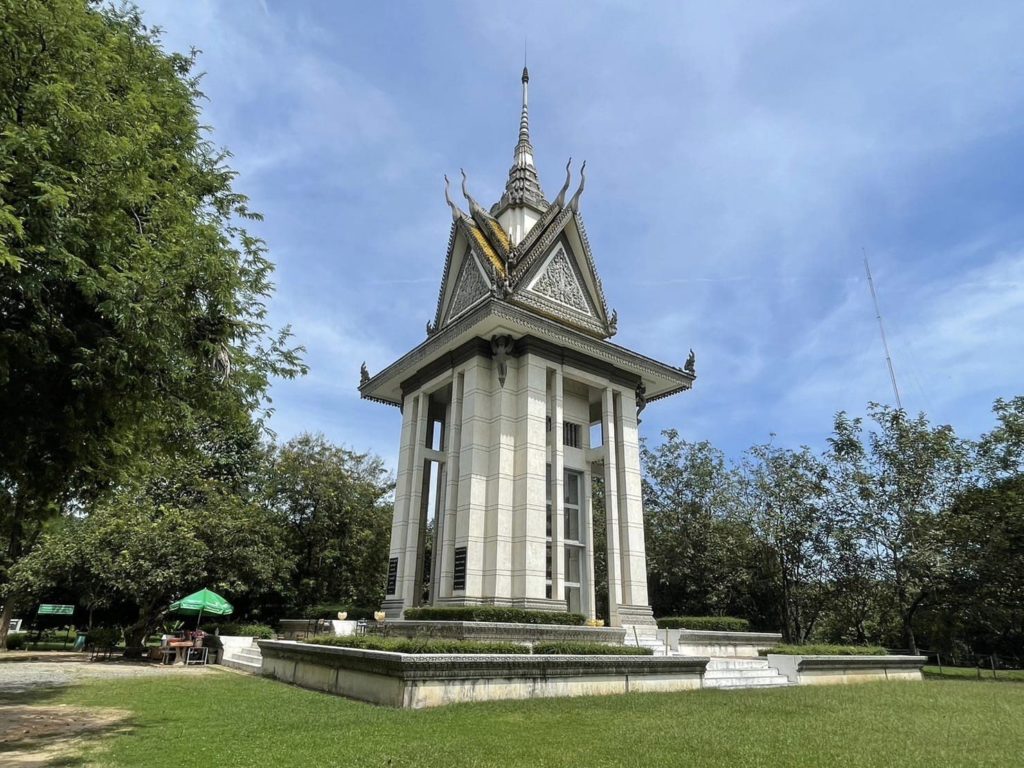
x: 611, y: 495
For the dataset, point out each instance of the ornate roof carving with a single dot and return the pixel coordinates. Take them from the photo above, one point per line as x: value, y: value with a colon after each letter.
x: 558, y: 281
x: 470, y: 287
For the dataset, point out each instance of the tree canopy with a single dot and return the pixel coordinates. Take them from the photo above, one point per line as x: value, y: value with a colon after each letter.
x: 131, y: 293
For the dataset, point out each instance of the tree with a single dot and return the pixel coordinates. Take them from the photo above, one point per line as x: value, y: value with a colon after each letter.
x: 196, y: 519
x: 132, y: 297
x: 698, y: 552
x: 335, y: 508
x: 783, y: 497
x: 894, y: 483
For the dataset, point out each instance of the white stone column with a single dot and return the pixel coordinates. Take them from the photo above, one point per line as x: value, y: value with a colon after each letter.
x: 393, y: 602
x: 611, y: 496
x: 588, y: 597
x: 474, y: 467
x: 631, y: 513
x: 557, y: 491
x: 497, y: 571
x: 412, y: 535
x: 452, y: 448
x: 528, y: 514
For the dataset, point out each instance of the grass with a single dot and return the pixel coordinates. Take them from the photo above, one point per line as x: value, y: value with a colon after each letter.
x: 226, y: 720
x: 971, y: 673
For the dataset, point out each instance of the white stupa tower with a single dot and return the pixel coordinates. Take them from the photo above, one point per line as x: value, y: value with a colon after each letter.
x: 511, y: 406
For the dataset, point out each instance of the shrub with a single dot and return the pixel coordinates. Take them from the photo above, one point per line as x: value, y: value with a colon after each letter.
x: 331, y: 611
x: 705, y: 623
x: 16, y: 641
x: 493, y: 613
x: 103, y: 637
x: 418, y: 644
x: 261, y: 631
x: 589, y: 649
x: 826, y: 650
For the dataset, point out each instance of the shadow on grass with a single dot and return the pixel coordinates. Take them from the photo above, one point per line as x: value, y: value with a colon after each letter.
x: 36, y: 731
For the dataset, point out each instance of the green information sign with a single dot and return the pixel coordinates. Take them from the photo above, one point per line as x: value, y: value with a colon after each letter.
x: 55, y: 610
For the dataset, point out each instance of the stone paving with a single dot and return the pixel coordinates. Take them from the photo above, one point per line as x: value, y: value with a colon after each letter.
x: 65, y: 669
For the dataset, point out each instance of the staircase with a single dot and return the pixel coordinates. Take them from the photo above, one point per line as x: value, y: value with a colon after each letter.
x: 645, y: 637
x: 722, y: 672
x: 742, y: 672
x: 245, y: 659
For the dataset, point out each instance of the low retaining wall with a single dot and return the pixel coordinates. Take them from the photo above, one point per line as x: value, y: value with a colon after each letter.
x: 493, y: 631
x: 415, y: 681
x: 829, y: 670
x: 701, y: 643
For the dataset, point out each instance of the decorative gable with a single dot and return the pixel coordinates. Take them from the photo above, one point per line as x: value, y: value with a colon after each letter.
x: 470, y: 286
x: 558, y: 281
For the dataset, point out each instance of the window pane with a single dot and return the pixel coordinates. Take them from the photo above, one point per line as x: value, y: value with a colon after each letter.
x: 572, y: 487
x: 572, y: 524
x: 572, y: 564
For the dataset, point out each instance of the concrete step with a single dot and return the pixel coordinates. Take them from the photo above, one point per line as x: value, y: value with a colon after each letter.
x: 242, y: 665
x: 731, y: 664
x: 777, y: 681
x: 252, y: 654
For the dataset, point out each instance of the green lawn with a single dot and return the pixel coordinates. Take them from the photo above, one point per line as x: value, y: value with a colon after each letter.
x: 222, y: 719
x: 971, y: 673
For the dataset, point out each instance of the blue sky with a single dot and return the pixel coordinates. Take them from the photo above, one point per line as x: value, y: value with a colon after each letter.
x: 740, y: 156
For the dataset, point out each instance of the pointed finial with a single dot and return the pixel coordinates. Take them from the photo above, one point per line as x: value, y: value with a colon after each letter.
x: 575, y: 202
x: 560, y: 200
x: 523, y: 186
x: 456, y: 213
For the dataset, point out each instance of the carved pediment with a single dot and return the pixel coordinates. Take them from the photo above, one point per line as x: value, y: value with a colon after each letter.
x: 470, y: 286
x: 558, y: 280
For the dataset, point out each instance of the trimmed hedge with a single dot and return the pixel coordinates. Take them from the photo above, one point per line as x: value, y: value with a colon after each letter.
x: 493, y: 613
x: 261, y: 631
x: 418, y: 644
x: 827, y: 650
x: 441, y: 645
x: 589, y: 649
x: 705, y: 623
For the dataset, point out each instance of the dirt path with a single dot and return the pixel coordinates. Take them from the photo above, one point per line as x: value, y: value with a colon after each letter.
x: 34, y: 733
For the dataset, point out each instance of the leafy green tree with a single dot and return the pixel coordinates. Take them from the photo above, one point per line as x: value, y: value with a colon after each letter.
x: 698, y: 551
x: 983, y: 531
x: 335, y: 508
x: 196, y: 519
x: 894, y: 482
x: 783, y: 498
x: 131, y: 294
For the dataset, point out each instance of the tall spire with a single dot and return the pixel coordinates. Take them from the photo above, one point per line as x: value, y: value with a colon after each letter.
x: 523, y: 185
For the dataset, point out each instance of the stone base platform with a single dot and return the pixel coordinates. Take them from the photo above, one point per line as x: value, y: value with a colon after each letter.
x: 830, y: 670
x: 493, y: 631
x: 415, y: 681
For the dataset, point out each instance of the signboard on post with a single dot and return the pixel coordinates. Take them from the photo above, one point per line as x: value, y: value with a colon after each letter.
x: 52, y: 609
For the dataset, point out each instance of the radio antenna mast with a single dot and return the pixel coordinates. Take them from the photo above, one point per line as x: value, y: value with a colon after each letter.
x: 881, y: 328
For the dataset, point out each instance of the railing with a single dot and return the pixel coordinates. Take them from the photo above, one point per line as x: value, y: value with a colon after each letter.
x: 983, y: 666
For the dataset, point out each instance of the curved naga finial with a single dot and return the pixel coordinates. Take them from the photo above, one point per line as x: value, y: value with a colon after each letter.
x: 456, y: 213
x: 560, y: 200
x: 474, y: 207
x: 575, y: 202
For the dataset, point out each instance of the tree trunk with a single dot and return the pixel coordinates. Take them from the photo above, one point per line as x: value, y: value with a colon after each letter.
x: 5, y: 621
x: 908, y: 633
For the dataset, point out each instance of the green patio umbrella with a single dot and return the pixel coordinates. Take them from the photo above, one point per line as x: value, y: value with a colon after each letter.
x: 203, y: 601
